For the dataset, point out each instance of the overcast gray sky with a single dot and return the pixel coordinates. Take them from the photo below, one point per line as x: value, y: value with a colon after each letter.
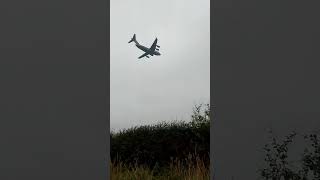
x: 161, y: 88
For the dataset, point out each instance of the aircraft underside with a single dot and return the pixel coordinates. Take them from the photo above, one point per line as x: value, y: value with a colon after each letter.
x: 153, y: 50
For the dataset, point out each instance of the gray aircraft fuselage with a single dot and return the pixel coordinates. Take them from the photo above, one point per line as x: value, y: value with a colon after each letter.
x: 145, y: 49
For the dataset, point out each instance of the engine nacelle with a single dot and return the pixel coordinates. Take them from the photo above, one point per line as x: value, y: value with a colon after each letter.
x: 158, y: 46
x: 157, y: 49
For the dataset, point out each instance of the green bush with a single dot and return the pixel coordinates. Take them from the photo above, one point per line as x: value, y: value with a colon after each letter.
x: 156, y: 145
x: 277, y: 165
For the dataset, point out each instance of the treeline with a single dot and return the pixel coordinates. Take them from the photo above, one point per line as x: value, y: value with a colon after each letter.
x: 161, y: 144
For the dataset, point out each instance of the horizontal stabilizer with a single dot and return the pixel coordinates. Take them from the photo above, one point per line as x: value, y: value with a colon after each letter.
x: 133, y: 39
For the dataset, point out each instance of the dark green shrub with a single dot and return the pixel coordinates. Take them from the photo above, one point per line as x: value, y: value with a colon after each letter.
x: 277, y: 165
x: 151, y: 144
x: 311, y: 157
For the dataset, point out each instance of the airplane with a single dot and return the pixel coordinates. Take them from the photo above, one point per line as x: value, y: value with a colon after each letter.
x: 153, y: 50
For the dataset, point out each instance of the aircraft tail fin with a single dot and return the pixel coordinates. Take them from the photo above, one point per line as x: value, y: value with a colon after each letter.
x: 133, y: 39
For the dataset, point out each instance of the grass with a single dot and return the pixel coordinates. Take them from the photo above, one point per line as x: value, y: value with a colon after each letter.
x: 191, y: 168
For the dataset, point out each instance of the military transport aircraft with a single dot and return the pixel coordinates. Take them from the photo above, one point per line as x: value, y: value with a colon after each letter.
x: 153, y: 50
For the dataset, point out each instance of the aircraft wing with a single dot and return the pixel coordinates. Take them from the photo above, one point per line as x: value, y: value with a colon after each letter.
x: 154, y: 45
x: 143, y: 55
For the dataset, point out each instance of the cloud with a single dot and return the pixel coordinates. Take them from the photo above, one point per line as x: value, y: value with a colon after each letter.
x: 165, y: 87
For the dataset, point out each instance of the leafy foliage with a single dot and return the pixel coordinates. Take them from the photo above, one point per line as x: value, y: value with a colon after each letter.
x: 156, y: 145
x: 276, y: 158
x: 311, y: 157
x: 278, y: 167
